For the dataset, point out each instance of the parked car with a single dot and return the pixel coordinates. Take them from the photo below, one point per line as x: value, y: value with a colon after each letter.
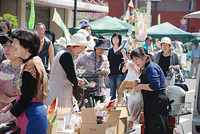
x: 125, y: 43
x: 189, y: 46
x: 181, y: 51
x: 196, y: 108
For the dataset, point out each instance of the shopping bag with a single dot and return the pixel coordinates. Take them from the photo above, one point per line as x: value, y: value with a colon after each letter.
x: 170, y: 74
x: 135, y: 104
x: 179, y: 77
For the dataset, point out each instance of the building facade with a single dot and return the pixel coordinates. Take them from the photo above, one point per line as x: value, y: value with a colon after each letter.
x: 170, y: 10
x: 44, y: 10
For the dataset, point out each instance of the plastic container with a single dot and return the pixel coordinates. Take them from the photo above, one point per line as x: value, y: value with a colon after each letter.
x: 177, y: 95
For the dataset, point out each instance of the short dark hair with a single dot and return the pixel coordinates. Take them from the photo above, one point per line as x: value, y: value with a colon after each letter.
x: 84, y: 26
x: 38, y: 24
x: 119, y: 37
x: 28, y: 39
x: 9, y: 25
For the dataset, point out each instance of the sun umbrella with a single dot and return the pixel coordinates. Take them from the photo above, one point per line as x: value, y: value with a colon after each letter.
x: 193, y: 15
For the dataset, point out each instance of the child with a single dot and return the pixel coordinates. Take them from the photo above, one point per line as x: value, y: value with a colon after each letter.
x: 133, y: 73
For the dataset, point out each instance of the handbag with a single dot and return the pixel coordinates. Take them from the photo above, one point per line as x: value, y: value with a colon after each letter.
x: 169, y: 74
x: 78, y: 93
x: 179, y: 77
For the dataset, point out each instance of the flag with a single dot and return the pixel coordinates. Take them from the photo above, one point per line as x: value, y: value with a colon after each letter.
x: 130, y: 12
x: 31, y: 21
x: 57, y: 19
x: 159, y: 19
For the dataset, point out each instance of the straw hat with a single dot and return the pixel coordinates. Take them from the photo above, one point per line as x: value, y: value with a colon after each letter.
x: 62, y: 41
x: 78, y: 39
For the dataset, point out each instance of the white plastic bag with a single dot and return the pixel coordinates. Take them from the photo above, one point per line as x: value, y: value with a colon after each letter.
x: 135, y: 104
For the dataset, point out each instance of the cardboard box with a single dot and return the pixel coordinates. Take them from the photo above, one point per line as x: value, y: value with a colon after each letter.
x: 89, y: 122
x: 122, y: 123
x: 52, y: 128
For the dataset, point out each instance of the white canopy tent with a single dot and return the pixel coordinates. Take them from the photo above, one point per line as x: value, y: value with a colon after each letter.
x: 192, y: 15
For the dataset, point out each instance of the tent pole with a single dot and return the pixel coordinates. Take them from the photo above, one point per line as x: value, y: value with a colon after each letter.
x: 190, y: 10
x: 75, y: 12
x: 124, y: 6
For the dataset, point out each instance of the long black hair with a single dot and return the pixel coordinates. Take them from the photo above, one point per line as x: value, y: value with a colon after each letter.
x: 140, y: 52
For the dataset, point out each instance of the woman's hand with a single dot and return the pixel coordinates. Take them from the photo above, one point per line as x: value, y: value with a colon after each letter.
x: 138, y: 88
x: 131, y: 65
x: 104, y: 72
x: 6, y: 108
x: 123, y: 51
x: 135, y: 83
x: 80, y: 81
x: 170, y: 67
x: 6, y: 117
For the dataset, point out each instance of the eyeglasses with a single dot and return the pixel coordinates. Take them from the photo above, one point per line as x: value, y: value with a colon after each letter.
x: 6, y: 45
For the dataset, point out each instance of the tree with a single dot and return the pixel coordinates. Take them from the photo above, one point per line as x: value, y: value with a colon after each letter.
x: 12, y: 19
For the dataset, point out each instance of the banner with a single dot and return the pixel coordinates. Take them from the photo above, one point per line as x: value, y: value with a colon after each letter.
x: 159, y: 19
x: 57, y: 19
x: 31, y: 21
x: 129, y: 13
x: 140, y: 26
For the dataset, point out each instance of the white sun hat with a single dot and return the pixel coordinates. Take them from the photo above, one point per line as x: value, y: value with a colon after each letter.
x: 78, y: 39
x: 62, y: 41
x: 84, y: 32
x: 166, y: 40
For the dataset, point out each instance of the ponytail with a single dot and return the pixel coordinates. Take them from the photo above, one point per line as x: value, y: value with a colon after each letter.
x: 140, y: 52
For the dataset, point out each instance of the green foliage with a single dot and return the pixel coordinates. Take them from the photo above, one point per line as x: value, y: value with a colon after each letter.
x: 142, y: 9
x: 122, y: 17
x: 12, y: 19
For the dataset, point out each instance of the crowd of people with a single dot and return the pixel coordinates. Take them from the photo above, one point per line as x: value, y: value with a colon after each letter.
x: 32, y: 77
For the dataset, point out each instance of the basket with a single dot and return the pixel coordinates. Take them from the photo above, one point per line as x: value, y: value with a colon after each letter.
x: 92, y: 81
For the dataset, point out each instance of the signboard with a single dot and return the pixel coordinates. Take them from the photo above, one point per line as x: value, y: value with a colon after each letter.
x: 82, y: 22
x: 183, y: 27
x: 140, y: 26
x: 183, y: 21
x: 89, y: 15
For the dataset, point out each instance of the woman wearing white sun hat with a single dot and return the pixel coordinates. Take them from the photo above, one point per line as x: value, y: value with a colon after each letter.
x: 63, y: 77
x: 167, y: 59
x: 61, y: 42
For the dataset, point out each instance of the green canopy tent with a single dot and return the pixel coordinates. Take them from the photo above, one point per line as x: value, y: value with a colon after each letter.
x: 129, y: 26
x: 109, y: 25
x: 169, y: 30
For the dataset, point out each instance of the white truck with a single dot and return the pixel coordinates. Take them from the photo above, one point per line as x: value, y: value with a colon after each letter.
x: 196, y: 108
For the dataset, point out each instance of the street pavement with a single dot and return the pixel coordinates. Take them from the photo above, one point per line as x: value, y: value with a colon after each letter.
x: 185, y: 122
